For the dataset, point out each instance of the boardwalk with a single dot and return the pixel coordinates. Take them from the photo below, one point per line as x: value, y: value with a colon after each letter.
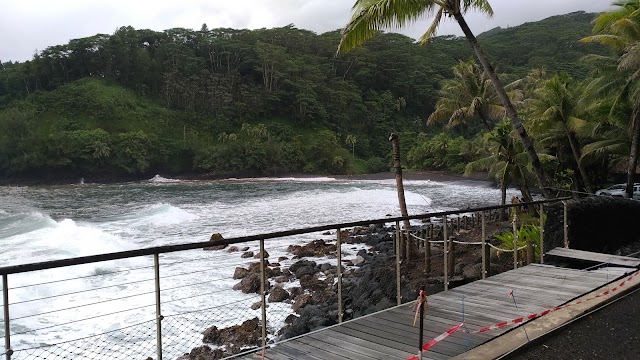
x: 389, y: 334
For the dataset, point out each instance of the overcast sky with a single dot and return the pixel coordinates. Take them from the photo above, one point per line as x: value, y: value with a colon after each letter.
x: 27, y: 26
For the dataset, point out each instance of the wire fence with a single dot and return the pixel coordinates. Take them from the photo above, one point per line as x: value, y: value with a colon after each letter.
x: 184, y: 303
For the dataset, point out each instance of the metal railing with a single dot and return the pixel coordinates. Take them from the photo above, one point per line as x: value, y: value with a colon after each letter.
x: 170, y: 298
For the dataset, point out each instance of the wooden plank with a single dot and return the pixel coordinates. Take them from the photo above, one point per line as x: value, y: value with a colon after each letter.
x: 593, y: 257
x: 329, y: 333
x: 432, y: 330
x: 344, y: 353
x: 338, y: 340
x: 390, y: 334
x: 310, y: 352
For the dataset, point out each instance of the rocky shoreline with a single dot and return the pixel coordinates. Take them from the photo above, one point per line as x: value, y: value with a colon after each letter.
x: 368, y: 284
x: 369, y: 279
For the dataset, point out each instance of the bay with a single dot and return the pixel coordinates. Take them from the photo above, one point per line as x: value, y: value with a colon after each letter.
x: 53, y: 222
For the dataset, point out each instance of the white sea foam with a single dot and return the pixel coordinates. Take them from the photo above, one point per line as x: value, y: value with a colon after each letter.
x: 128, y: 216
x: 160, y: 179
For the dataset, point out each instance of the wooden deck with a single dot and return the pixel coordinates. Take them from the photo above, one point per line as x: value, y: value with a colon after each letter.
x: 389, y: 334
x: 597, y: 258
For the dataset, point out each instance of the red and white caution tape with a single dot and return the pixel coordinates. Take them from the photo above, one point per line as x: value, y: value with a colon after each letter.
x: 437, y: 339
x: 422, y: 299
x: 545, y: 312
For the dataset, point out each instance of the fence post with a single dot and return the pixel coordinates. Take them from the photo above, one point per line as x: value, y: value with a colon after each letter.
x: 7, y: 328
x: 566, y: 225
x: 515, y: 240
x: 452, y: 250
x: 159, y: 317
x: 541, y: 233
x: 264, y: 296
x: 339, y: 271
x: 484, y: 247
x: 445, y: 251
x: 398, y: 250
x: 465, y: 222
x: 427, y: 254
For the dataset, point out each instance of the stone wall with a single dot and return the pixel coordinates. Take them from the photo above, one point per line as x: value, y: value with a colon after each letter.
x: 597, y: 223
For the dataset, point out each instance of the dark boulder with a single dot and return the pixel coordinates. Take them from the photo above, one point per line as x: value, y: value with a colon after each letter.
x: 240, y: 273
x: 293, y: 268
x: 203, y: 353
x: 315, y: 248
x: 247, y: 334
x: 250, y: 284
x: 219, y: 242
x: 278, y: 294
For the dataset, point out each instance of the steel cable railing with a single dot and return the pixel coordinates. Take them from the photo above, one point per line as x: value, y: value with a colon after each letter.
x: 178, y: 325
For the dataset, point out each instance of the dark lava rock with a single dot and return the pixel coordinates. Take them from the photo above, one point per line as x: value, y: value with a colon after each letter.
x: 203, y: 353
x: 278, y: 294
x: 247, y: 254
x: 301, y: 301
x: 282, y: 258
x: 257, y: 256
x: 233, y: 249
x: 250, y: 284
x: 305, y: 270
x: 293, y: 268
x: 256, y: 305
x: 315, y: 248
x: 216, y: 238
x: 247, y: 334
x: 240, y: 273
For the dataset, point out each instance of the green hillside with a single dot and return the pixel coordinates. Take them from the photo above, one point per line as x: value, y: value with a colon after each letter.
x: 226, y: 101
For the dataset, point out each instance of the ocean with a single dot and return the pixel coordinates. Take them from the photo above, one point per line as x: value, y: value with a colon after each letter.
x: 110, y: 306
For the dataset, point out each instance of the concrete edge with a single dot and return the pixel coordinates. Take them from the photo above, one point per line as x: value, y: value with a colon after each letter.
x: 535, y: 329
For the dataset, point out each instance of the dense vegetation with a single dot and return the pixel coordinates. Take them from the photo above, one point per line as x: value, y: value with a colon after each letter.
x: 267, y: 101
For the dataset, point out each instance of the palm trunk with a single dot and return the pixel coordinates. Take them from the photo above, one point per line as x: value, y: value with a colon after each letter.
x: 503, y: 191
x: 633, y: 157
x: 399, y: 185
x: 509, y: 108
x: 524, y: 189
x: 484, y: 120
x: 576, y: 155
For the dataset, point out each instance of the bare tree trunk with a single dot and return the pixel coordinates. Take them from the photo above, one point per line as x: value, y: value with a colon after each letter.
x: 503, y: 199
x: 576, y: 155
x: 399, y: 185
x: 508, y: 106
x: 633, y: 157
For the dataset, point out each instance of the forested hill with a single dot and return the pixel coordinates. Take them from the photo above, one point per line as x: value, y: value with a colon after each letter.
x: 227, y: 101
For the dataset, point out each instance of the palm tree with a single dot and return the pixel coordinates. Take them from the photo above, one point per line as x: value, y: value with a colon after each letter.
x: 556, y: 111
x: 351, y: 140
x: 469, y: 94
x: 620, y: 30
x: 371, y: 16
x: 506, y: 162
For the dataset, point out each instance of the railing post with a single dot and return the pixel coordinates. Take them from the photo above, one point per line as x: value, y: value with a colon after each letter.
x: 159, y: 317
x: 263, y: 291
x: 445, y: 251
x: 452, y: 251
x: 7, y: 328
x: 427, y: 253
x: 515, y: 239
x: 541, y: 233
x: 339, y: 272
x: 484, y: 247
x: 398, y: 250
x: 566, y: 225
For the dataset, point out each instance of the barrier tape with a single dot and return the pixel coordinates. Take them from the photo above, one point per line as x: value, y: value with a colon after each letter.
x: 545, y: 312
x: 422, y: 299
x: 436, y: 340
